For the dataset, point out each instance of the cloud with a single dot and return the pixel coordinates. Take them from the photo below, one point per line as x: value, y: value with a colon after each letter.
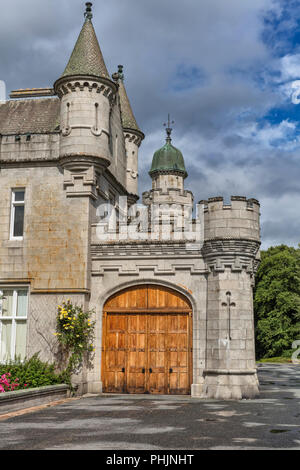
x: 218, y: 67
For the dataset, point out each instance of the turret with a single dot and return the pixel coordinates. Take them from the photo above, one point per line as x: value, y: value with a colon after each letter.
x: 132, y: 134
x: 231, y: 255
x: 168, y: 174
x: 87, y: 95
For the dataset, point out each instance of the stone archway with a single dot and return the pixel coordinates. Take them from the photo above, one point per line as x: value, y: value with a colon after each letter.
x: 147, y: 341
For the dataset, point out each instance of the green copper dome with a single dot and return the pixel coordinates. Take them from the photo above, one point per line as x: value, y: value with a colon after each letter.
x: 168, y: 158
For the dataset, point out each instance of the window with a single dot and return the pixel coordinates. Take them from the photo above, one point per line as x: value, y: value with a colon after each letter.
x: 17, y: 214
x: 13, y: 323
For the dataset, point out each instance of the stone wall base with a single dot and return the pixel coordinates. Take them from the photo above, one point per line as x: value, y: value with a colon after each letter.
x: 95, y: 387
x: 197, y: 390
x: 22, y: 399
x: 230, y: 384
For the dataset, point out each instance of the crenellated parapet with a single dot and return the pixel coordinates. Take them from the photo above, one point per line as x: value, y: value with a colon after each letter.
x: 168, y: 196
x: 239, y: 220
x: 231, y: 234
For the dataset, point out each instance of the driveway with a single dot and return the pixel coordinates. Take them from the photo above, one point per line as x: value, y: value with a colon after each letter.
x: 148, y: 422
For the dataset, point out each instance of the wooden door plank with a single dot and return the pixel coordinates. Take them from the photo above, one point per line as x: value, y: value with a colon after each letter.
x: 157, y: 360
x: 149, y: 327
x: 137, y: 353
x: 115, y: 353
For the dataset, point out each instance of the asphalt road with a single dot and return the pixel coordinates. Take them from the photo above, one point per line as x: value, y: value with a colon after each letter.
x: 147, y: 422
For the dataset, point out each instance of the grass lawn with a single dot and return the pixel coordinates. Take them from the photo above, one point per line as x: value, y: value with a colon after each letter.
x: 285, y: 360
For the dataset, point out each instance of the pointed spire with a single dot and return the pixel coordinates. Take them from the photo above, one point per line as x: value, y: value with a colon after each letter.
x: 86, y: 58
x: 127, y: 116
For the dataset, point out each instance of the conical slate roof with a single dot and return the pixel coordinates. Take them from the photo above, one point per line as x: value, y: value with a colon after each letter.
x: 86, y: 58
x: 127, y: 116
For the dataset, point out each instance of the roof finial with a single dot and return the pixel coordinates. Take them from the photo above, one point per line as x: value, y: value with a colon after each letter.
x: 169, y: 129
x: 119, y: 75
x: 120, y: 72
x: 88, y: 12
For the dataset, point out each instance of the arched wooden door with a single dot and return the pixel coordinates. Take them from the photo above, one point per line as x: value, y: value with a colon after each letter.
x: 147, y: 342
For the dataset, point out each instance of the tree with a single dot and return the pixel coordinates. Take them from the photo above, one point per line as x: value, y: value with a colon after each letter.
x: 277, y: 301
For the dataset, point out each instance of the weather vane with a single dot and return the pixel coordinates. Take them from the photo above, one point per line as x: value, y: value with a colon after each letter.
x: 168, y: 127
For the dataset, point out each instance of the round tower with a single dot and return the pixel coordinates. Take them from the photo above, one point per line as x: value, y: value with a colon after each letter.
x: 87, y: 95
x: 231, y: 254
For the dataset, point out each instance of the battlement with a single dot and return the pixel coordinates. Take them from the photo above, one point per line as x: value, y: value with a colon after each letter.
x: 237, y: 203
x: 169, y: 196
x: 238, y: 220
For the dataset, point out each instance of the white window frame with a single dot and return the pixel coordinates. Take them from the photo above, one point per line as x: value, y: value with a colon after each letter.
x: 13, y: 318
x: 14, y: 204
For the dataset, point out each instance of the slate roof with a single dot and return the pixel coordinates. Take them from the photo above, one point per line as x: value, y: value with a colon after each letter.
x: 86, y: 58
x: 32, y: 116
x: 127, y: 116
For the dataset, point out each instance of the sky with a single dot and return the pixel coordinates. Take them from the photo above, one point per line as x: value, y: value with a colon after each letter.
x: 228, y: 72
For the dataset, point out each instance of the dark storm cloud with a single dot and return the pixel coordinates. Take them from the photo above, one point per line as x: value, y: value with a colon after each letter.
x: 275, y: 230
x: 211, y: 64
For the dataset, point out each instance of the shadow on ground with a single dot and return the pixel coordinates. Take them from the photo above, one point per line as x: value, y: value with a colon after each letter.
x: 147, y: 422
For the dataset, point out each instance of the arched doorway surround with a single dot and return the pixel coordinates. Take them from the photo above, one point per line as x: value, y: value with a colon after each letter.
x: 147, y: 341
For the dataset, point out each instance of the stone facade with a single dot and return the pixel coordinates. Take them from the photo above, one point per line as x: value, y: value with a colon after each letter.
x: 78, y: 151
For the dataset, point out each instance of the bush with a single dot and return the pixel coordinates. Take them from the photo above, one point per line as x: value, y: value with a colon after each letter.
x: 75, y: 333
x: 31, y: 373
x: 277, y: 302
x: 6, y: 385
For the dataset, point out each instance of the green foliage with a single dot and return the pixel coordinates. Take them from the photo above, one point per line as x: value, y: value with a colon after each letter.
x: 75, y: 332
x: 277, y: 301
x: 278, y: 360
x: 31, y: 373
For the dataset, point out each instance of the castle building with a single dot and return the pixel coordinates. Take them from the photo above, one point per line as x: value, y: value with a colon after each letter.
x: 171, y: 294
